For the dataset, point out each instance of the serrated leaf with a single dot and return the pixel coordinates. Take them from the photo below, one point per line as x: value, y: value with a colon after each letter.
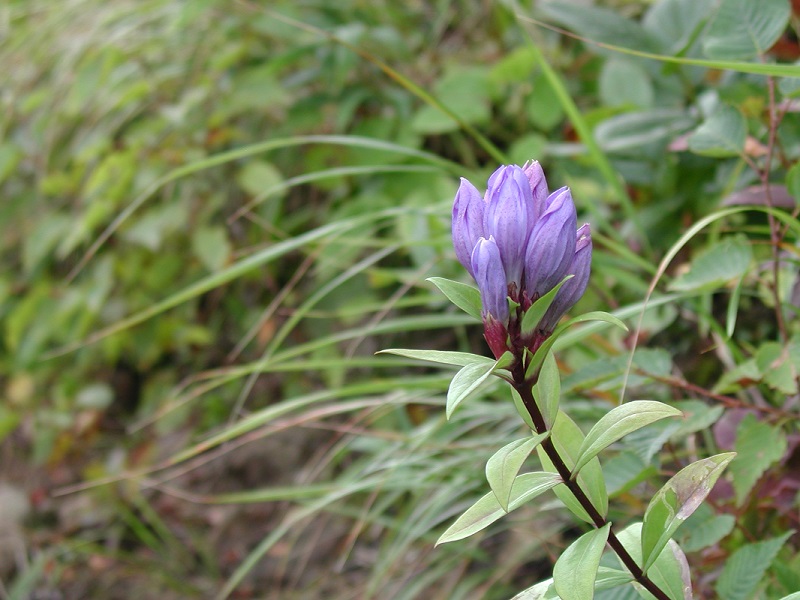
x: 487, y: 510
x: 670, y: 570
x: 723, y: 262
x: 746, y: 567
x: 722, y: 134
x: 464, y: 383
x: 743, y: 29
x: 536, y: 311
x: 619, y: 422
x: 567, y: 438
x: 503, y: 466
x: 464, y: 296
x: 677, y: 500
x: 575, y: 570
x: 774, y: 362
x: 547, y: 390
x: 758, y: 445
x: 461, y: 359
x: 707, y: 533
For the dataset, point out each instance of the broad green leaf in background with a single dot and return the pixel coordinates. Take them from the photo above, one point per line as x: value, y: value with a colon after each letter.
x: 725, y: 261
x: 624, y: 82
x: 567, y: 439
x: 774, y: 361
x: 705, y: 528
x: 465, y: 382
x: 627, y: 133
x: 676, y: 501
x: 600, y: 24
x: 575, y: 570
x: 722, y: 134
x: 746, y: 567
x: 464, y: 296
x: 617, y: 423
x: 461, y: 359
x: 463, y: 90
x: 669, y: 571
x: 743, y: 29
x: 547, y: 390
x: 758, y: 445
x: 487, y: 510
x: 503, y: 466
x: 677, y: 22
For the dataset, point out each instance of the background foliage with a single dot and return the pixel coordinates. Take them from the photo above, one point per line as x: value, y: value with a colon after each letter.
x: 215, y: 212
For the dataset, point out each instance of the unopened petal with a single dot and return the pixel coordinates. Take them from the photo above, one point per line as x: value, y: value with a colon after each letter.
x: 468, y: 210
x: 574, y: 288
x: 490, y: 277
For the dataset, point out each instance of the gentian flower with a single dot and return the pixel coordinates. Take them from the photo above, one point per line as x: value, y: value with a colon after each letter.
x: 519, y: 241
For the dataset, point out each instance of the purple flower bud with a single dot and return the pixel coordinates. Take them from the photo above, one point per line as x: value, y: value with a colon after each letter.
x: 551, y: 245
x: 574, y: 288
x: 509, y: 217
x: 488, y: 268
x: 468, y: 210
x: 533, y: 171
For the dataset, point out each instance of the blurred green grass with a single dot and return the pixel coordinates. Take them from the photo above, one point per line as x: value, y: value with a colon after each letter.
x: 213, y: 217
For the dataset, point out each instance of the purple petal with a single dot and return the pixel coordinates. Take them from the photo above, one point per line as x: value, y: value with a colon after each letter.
x: 490, y: 277
x: 551, y: 246
x: 468, y: 210
x: 507, y: 218
x: 533, y: 171
x: 573, y: 289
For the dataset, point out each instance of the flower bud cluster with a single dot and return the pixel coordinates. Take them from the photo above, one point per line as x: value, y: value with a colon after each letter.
x: 519, y: 241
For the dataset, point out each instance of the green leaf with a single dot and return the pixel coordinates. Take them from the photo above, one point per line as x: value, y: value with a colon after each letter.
x: 567, y: 439
x: 535, y: 313
x: 619, y: 422
x: 487, y: 510
x: 758, y: 445
x: 607, y: 578
x: 669, y: 571
x: 744, y: 29
x: 541, y: 353
x: 522, y: 410
x: 722, y: 134
x: 677, y: 500
x: 717, y: 265
x: 547, y: 390
x: 707, y: 530
x: 624, y: 82
x: 677, y: 22
x: 774, y: 362
x: 575, y: 570
x: 465, y: 382
x: 461, y: 359
x: 628, y: 132
x: 503, y: 466
x: 211, y: 246
x: 464, y: 296
x: 464, y: 91
x: 746, y: 567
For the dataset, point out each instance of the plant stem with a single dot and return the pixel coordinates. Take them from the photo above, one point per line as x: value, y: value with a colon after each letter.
x: 524, y: 388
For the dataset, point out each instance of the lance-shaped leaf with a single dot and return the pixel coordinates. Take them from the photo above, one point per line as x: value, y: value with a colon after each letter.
x: 503, y: 466
x: 464, y: 296
x: 746, y: 567
x: 567, y: 439
x: 535, y: 313
x: 465, y: 382
x: 547, y: 390
x: 607, y: 578
x: 541, y: 353
x: 487, y: 510
x: 670, y: 571
x: 575, y: 570
x: 521, y: 409
x: 619, y: 422
x: 676, y: 501
x: 438, y: 356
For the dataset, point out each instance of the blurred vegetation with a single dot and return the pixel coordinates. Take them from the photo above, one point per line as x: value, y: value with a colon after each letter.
x: 214, y: 212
